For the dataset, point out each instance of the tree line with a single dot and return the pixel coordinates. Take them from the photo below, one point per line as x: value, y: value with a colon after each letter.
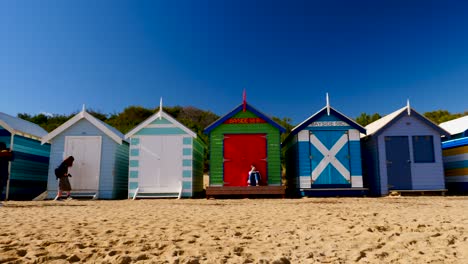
x: 195, y: 119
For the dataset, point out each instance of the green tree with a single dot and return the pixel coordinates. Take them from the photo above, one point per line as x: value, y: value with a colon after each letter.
x: 365, y: 119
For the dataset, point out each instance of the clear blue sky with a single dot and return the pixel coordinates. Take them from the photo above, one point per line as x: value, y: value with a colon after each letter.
x: 370, y: 56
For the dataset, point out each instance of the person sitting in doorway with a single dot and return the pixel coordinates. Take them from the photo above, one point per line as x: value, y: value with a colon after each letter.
x: 254, y: 177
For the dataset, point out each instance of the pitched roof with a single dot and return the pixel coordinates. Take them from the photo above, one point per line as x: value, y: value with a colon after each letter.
x: 159, y: 114
x: 105, y: 128
x: 238, y: 109
x: 379, y: 125
x: 16, y: 125
x: 321, y: 112
x: 456, y: 126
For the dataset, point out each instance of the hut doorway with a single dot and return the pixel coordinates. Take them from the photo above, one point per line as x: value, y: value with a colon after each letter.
x: 398, y: 162
x: 86, y: 169
x: 160, y: 163
x: 240, y: 152
x: 330, y: 158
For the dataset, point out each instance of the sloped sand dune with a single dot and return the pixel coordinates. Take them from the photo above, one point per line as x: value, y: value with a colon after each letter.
x: 310, y: 230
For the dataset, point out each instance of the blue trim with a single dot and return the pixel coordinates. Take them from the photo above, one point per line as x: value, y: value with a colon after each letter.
x: 239, y: 108
x: 134, y: 163
x: 133, y: 185
x: 186, y: 185
x: 133, y: 174
x: 134, y: 152
x: 455, y: 143
x: 318, y: 115
x: 134, y: 141
x: 187, y: 151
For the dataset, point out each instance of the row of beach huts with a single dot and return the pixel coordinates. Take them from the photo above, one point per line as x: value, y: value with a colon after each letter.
x: 328, y: 154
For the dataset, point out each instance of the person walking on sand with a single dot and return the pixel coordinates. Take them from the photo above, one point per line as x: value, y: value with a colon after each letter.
x: 61, y: 172
x: 254, y: 177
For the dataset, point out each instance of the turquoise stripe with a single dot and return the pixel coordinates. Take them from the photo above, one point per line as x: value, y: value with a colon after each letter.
x: 162, y: 121
x: 187, y: 174
x: 187, y: 141
x: 133, y: 185
x: 130, y: 195
x: 161, y: 131
x: 133, y: 174
x: 186, y: 194
x: 135, y: 141
x: 187, y: 151
x: 186, y: 185
x: 187, y: 163
x: 134, y: 163
x: 456, y: 164
x: 134, y: 152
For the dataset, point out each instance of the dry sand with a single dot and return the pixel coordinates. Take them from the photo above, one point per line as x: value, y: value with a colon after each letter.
x: 310, y: 230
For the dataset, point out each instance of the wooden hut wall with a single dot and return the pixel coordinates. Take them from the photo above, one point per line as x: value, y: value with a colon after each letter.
x: 28, y: 171
x: 371, y: 168
x: 197, y: 167
x: 424, y: 175
x: 108, y: 162
x: 120, y: 188
x: 273, y: 147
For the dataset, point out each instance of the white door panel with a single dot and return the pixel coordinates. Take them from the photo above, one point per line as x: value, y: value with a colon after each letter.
x: 160, y: 163
x: 86, y: 168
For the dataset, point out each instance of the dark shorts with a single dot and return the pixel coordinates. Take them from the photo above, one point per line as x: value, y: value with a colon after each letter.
x: 64, y: 184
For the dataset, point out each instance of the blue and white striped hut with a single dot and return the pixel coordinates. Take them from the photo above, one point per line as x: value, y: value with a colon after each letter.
x: 323, y: 155
x: 402, y: 152
x: 166, y: 159
x: 100, y: 169
x: 28, y: 170
x: 455, y: 155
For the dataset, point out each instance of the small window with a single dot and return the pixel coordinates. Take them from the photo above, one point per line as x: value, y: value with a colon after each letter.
x: 423, y: 149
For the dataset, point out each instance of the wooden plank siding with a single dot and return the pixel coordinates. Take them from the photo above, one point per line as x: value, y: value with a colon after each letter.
x: 121, y: 171
x: 28, y: 171
x: 273, y: 147
x: 197, y: 167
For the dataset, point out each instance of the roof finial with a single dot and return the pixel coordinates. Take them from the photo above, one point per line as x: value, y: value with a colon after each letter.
x: 328, y: 105
x: 408, y: 106
x: 244, y: 100
x: 160, y: 108
x: 84, y: 108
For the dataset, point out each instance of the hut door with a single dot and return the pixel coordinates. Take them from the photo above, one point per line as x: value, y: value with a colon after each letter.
x: 398, y: 163
x: 330, y: 157
x: 160, y: 163
x: 241, y: 151
x: 86, y: 168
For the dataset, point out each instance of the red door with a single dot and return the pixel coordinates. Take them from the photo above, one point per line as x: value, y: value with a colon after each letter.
x: 240, y: 152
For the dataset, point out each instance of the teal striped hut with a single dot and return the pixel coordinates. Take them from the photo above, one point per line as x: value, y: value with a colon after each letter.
x: 166, y: 159
x: 28, y: 170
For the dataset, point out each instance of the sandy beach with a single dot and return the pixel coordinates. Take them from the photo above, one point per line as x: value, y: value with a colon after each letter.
x: 308, y: 230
